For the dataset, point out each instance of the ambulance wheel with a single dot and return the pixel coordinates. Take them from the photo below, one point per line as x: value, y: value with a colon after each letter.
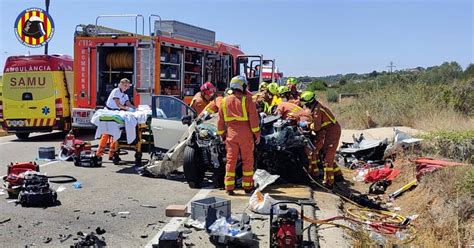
x: 22, y: 135
x: 138, y: 158
x: 193, y: 168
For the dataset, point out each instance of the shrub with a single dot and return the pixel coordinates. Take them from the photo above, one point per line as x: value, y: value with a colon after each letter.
x: 332, y: 96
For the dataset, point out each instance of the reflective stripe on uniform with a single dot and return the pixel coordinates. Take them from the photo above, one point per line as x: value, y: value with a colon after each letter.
x: 229, y: 174
x: 228, y: 183
x: 220, y: 132
x: 333, y: 120
x: 255, y: 129
x: 337, y: 169
x: 328, y: 169
x: 296, y: 109
x: 326, y: 123
x: 247, y: 173
x: 210, y: 110
x: 246, y: 184
x: 235, y: 118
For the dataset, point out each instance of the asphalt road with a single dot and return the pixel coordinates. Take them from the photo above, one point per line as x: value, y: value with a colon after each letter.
x: 105, y: 192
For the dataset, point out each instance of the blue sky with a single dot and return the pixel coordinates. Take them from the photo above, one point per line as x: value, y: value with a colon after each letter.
x: 306, y: 37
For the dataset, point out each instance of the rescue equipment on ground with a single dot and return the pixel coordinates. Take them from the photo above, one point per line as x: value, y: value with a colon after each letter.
x: 46, y: 153
x: 87, y: 158
x: 170, y: 240
x: 71, y: 147
x: 36, y: 192
x: 286, y: 228
x: 15, y: 175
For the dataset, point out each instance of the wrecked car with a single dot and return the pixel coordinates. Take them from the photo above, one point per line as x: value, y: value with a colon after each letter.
x: 200, y: 149
x: 280, y: 152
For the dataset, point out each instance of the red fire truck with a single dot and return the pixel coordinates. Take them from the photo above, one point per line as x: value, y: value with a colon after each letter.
x: 174, y: 58
x: 270, y: 72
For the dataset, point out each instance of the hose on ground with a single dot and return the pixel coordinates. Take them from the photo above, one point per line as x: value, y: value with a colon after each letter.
x: 380, y: 221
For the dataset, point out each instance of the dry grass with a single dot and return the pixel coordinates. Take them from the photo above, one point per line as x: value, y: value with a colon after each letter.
x: 419, y: 105
x: 445, y: 206
x: 445, y: 119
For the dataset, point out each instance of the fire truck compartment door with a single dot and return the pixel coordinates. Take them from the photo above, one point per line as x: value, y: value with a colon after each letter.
x: 166, y: 122
x: 145, y: 71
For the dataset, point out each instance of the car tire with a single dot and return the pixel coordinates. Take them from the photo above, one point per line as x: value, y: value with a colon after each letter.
x: 193, y: 168
x: 22, y: 136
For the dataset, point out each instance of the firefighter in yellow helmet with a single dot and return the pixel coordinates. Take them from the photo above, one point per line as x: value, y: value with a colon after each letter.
x: 262, y: 98
x: 292, y: 83
x: 328, y: 132
x: 273, y: 90
x: 238, y: 125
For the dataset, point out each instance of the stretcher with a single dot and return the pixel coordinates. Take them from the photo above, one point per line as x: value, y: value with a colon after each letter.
x: 131, y: 131
x: 142, y: 143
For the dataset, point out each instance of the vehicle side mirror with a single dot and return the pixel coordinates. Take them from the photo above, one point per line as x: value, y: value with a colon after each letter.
x: 186, y: 120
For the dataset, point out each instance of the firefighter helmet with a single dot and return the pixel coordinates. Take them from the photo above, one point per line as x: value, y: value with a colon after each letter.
x: 273, y: 88
x: 291, y: 81
x: 283, y: 89
x: 208, y: 88
x: 263, y: 86
x: 238, y: 83
x: 307, y: 97
x: 34, y: 27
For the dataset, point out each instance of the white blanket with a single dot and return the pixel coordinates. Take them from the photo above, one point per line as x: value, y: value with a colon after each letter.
x: 131, y: 119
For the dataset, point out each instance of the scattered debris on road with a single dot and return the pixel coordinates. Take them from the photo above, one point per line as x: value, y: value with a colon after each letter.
x: 176, y: 211
x: 5, y: 220
x: 63, y: 238
x: 89, y: 240
x: 100, y: 231
x: 147, y: 206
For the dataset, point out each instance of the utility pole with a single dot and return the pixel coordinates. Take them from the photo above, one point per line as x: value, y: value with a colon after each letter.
x: 391, y: 66
x: 47, y: 11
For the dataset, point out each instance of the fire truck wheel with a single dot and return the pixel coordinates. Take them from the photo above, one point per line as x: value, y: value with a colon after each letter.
x: 22, y: 136
x: 193, y: 167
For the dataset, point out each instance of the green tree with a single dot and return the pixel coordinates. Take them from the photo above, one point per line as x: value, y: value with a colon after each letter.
x: 342, y: 82
x: 374, y: 74
x: 317, y: 85
x: 469, y: 72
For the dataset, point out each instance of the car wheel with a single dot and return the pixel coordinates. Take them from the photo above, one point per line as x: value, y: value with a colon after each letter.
x: 22, y: 136
x: 193, y: 168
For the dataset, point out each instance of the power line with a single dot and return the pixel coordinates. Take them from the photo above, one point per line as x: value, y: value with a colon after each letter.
x: 391, y: 66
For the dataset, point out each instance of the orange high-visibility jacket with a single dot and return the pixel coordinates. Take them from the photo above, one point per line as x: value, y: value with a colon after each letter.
x: 286, y: 108
x: 238, y: 108
x: 321, y: 117
x: 198, y: 103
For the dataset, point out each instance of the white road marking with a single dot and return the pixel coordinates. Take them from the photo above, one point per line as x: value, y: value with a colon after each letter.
x: 52, y: 162
x: 176, y: 222
x: 5, y: 143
